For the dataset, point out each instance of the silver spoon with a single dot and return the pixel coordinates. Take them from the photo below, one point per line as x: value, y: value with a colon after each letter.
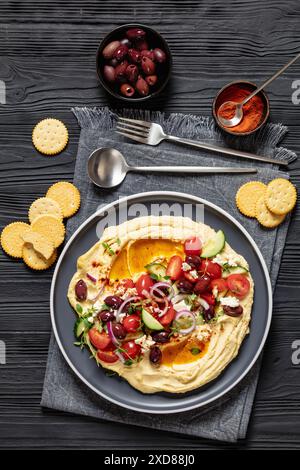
x: 238, y: 107
x: 107, y: 168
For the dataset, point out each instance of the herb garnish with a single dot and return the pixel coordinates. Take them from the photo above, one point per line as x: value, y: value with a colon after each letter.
x: 108, y: 248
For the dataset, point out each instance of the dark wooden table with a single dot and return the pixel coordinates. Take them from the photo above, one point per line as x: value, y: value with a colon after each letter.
x: 47, y: 60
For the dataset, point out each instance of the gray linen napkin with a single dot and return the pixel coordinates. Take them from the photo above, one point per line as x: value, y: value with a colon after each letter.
x: 226, y: 419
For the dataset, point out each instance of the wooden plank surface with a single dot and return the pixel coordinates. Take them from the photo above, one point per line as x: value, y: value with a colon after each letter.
x: 47, y: 60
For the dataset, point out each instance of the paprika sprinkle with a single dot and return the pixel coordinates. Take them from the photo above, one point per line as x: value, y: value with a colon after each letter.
x: 253, y: 110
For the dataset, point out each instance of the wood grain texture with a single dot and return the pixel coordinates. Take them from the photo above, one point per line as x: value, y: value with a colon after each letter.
x: 47, y: 60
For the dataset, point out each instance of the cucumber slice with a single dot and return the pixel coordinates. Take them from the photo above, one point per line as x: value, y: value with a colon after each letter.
x: 81, y: 325
x: 150, y: 321
x: 234, y: 270
x: 156, y: 268
x: 213, y: 246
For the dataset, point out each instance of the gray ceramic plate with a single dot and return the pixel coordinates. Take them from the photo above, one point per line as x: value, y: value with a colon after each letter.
x: 116, y: 389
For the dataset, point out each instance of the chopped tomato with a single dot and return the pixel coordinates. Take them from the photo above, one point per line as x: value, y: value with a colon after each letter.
x: 132, y: 323
x: 168, y: 317
x: 209, y: 298
x: 190, y: 278
x: 239, y: 285
x: 107, y: 356
x: 192, y: 246
x: 220, y: 284
x: 131, y: 350
x: 144, y: 283
x: 127, y: 283
x: 214, y: 270
x: 174, y: 267
x: 99, y: 340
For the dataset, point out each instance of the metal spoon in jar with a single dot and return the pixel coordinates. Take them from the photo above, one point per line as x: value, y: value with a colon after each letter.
x: 107, y: 168
x: 237, y: 108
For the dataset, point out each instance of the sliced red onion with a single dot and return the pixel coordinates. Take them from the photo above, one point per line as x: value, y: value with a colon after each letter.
x: 91, y: 278
x: 156, y: 288
x: 99, y: 293
x: 111, y: 334
x: 130, y: 299
x: 186, y: 313
x: 165, y: 308
x: 178, y: 298
x: 120, y: 356
x: 203, y: 302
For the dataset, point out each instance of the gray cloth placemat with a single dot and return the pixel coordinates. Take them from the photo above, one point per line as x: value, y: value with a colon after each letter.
x: 226, y: 419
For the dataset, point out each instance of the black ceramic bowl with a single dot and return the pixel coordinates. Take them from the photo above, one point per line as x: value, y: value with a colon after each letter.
x: 163, y: 71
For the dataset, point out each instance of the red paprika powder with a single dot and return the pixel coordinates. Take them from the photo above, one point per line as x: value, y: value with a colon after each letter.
x: 253, y: 110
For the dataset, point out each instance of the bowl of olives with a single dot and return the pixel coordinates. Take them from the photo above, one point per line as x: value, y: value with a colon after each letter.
x: 134, y: 62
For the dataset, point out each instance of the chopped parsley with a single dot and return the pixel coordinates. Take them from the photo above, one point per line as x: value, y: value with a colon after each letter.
x: 195, y: 351
x: 108, y: 248
x: 79, y: 309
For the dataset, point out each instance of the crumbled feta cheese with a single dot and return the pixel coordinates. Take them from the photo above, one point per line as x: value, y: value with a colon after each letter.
x: 194, y: 274
x: 230, y: 301
x: 181, y: 306
x: 121, y: 317
x: 91, y: 319
x: 186, y: 267
x: 131, y: 292
x: 204, y: 333
x: 145, y: 342
x: 215, y: 291
x: 225, y: 259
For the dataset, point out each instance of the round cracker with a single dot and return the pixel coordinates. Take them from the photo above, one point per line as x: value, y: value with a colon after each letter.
x: 36, y: 261
x: 50, y: 227
x: 247, y: 196
x: 42, y: 245
x: 265, y: 217
x: 42, y: 206
x: 66, y: 195
x: 11, y: 238
x: 50, y: 136
x: 281, y: 196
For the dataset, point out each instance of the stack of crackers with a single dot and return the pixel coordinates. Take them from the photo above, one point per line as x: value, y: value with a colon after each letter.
x: 270, y: 203
x: 38, y: 241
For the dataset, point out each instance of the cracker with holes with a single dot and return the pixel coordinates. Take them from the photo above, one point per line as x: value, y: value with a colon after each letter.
x: 44, y: 206
x: 281, y: 196
x: 35, y: 260
x: 42, y: 245
x: 66, y: 195
x: 50, y: 227
x: 50, y: 136
x: 11, y: 238
x: 265, y: 217
x: 248, y: 195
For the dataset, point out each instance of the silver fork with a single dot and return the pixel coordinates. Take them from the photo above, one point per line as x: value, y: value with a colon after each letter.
x: 150, y: 133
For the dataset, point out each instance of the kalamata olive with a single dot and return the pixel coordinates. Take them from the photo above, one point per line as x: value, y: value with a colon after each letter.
x: 185, y: 286
x: 155, y: 355
x: 142, y: 87
x: 148, y: 66
x: 81, y: 290
x: 120, y: 72
x: 141, y: 45
x: 113, y: 62
x: 233, y: 311
x: 127, y: 90
x: 135, y: 33
x: 209, y: 313
x: 121, y: 52
x: 109, y: 50
x: 134, y: 56
x: 151, y: 79
x: 106, y: 315
x: 113, y: 301
x: 125, y: 42
x: 159, y: 55
x: 119, y: 330
x: 132, y: 73
x: 202, y: 284
x: 109, y: 73
x: 161, y: 336
x: 194, y: 261
x: 147, y: 53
